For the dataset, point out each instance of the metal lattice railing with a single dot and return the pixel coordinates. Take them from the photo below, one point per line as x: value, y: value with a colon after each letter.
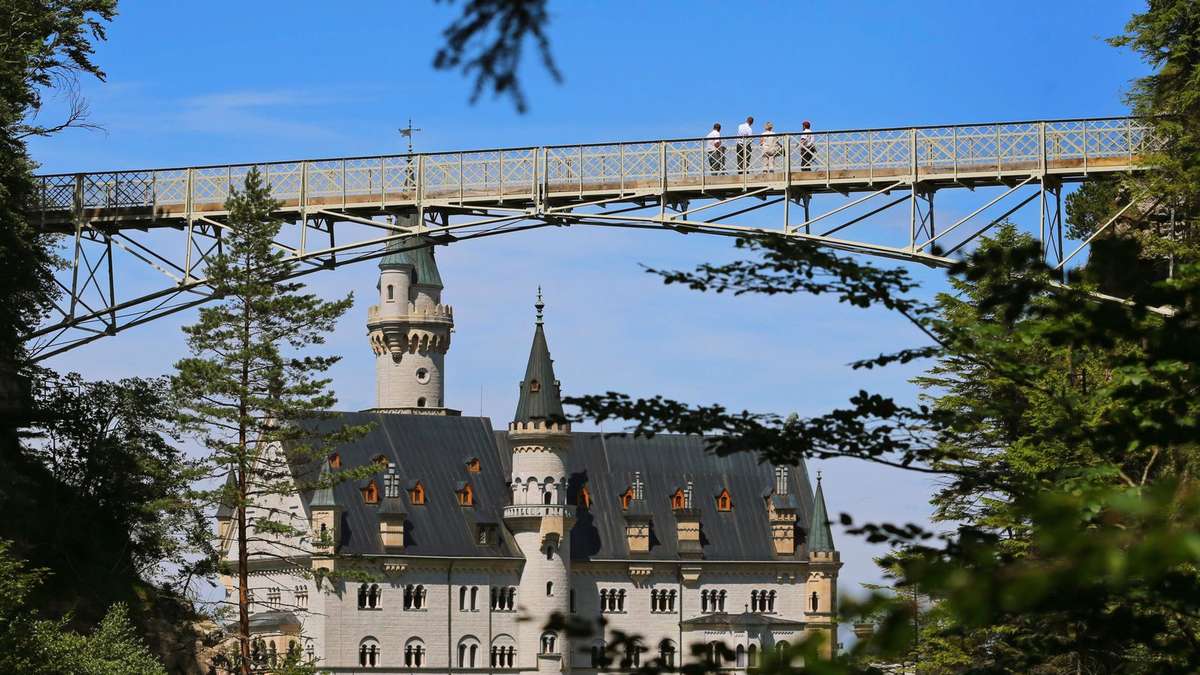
x: 533, y: 173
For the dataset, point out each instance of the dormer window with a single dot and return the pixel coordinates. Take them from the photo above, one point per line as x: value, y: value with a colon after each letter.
x: 335, y: 461
x: 370, y: 493
x: 626, y: 498
x: 466, y: 495
x: 473, y: 465
x: 416, y: 494
x: 535, y: 386
x: 678, y: 500
x: 724, y: 501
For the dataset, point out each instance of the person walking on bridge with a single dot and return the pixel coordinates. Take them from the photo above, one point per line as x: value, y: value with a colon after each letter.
x: 770, y: 147
x: 744, y: 148
x: 808, y: 147
x: 716, y: 155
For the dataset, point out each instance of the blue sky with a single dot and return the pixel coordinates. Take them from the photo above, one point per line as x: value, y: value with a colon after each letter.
x: 236, y: 81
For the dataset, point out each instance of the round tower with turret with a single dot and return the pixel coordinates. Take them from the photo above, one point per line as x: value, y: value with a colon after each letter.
x: 410, y: 330
x: 539, y: 517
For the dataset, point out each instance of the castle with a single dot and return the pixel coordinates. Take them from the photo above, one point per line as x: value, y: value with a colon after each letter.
x: 473, y: 538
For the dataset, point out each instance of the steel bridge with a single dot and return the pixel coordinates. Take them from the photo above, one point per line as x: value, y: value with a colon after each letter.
x: 117, y: 224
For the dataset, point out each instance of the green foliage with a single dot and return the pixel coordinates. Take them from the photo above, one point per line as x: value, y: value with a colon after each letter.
x: 1165, y: 36
x: 32, y: 645
x: 249, y: 386
x: 42, y: 45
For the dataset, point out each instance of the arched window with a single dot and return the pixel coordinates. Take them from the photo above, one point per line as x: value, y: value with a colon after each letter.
x: 678, y: 499
x: 546, y: 497
x: 671, y: 601
x: 714, y: 653
x: 416, y: 494
x: 721, y: 602
x: 368, y: 653
x: 374, y: 596
x: 419, y: 597
x: 633, y: 656
x: 621, y: 600
x: 468, y: 652
x: 753, y: 601
x: 599, y: 659
x: 549, y: 643
x: 414, y: 653
x: 603, y: 599
x: 504, y: 650
x: 814, y: 601
x: 741, y: 656
x: 420, y: 401
x: 666, y: 652
x: 549, y: 588
x: 549, y: 552
x: 466, y: 495
x: 771, y: 601
x: 362, y: 596
x: 703, y: 601
x: 462, y: 598
x: 752, y: 654
x: 258, y: 650
x: 391, y: 292
x: 724, y: 501
x: 474, y: 598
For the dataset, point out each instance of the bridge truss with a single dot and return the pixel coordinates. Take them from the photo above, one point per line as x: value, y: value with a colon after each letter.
x: 831, y: 188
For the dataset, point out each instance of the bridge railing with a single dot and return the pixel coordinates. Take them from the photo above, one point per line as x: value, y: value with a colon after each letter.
x: 526, y: 173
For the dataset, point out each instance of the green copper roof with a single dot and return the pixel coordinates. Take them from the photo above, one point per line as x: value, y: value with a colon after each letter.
x: 820, y: 537
x: 322, y: 497
x: 540, y: 399
x: 420, y: 259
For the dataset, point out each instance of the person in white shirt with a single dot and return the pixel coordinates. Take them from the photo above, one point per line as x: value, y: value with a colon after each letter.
x: 771, y: 148
x: 807, y: 147
x: 744, y: 148
x: 716, y: 155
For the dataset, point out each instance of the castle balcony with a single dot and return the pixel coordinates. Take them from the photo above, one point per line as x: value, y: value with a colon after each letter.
x: 443, y: 314
x: 538, y: 511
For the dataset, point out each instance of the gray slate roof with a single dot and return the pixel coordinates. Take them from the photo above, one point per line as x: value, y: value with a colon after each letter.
x: 822, y: 536
x: 540, y: 399
x: 419, y: 258
x: 431, y: 449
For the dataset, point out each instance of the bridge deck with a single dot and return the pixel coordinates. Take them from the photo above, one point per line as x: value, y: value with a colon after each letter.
x: 843, y: 161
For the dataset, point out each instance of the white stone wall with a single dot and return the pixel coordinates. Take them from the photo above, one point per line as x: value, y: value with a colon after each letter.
x: 399, y: 385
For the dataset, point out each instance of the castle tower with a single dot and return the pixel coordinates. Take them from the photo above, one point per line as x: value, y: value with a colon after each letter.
x: 823, y: 563
x: 410, y: 330
x: 539, y: 516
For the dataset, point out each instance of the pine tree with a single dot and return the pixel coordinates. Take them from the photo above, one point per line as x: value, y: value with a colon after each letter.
x: 249, y: 387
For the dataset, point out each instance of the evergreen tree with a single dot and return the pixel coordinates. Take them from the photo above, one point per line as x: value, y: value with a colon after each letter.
x: 248, y: 387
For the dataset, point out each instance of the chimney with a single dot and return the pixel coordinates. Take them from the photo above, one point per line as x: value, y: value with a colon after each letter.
x: 687, y: 525
x: 637, y: 517
x: 781, y: 513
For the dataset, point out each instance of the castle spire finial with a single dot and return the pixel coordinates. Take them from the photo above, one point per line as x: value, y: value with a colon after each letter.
x: 539, y: 305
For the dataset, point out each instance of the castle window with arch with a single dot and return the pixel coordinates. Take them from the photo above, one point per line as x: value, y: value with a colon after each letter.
x: 416, y: 494
x: 549, y: 589
x: 504, y: 652
x: 391, y: 292
x: 752, y: 655
x: 301, y: 594
x: 626, y: 498
x: 724, y: 501
x: 466, y: 495
x: 549, y: 643
x: 599, y: 658
x: 414, y: 596
x: 678, y: 500
x: 712, y: 600
x: 414, y: 653
x: 468, y: 652
x: 612, y: 600
x: 273, y: 596
x: 666, y: 652
x: 370, y: 493
x: 504, y: 598
x: 814, y: 601
x: 662, y: 601
x: 369, y: 596
x: 369, y: 653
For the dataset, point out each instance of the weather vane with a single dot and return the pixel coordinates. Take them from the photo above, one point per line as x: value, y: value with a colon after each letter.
x: 408, y: 132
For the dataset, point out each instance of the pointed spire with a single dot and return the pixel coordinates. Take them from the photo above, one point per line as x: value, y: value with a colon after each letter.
x: 417, y: 253
x: 322, y: 497
x: 820, y: 537
x: 540, y: 399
